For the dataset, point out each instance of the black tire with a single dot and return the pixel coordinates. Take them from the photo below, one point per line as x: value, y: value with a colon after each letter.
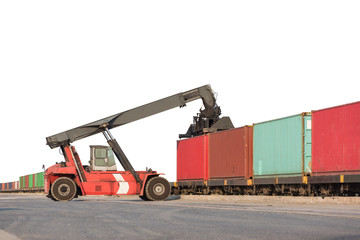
x: 157, y: 189
x: 63, y: 189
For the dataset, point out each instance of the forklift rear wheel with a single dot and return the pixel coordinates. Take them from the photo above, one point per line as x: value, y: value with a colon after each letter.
x: 63, y: 189
x: 157, y: 189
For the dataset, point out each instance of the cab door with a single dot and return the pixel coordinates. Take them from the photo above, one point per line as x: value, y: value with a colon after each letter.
x: 102, y: 159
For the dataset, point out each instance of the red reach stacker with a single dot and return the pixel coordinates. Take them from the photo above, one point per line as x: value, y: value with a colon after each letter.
x: 69, y: 179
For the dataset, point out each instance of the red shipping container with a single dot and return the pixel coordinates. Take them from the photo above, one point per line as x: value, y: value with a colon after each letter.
x: 230, y: 154
x: 33, y: 180
x: 336, y: 140
x: 27, y: 182
x: 192, y: 159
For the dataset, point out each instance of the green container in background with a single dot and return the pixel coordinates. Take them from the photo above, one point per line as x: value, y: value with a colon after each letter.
x: 31, y: 181
x: 39, y: 180
x: 21, y: 182
x: 282, y: 147
x: 36, y: 175
x: 35, y: 180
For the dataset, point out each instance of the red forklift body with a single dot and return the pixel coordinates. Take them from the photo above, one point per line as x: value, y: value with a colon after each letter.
x: 96, y: 182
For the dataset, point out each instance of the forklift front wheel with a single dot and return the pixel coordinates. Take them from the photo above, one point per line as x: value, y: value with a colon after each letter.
x: 157, y: 189
x: 63, y: 189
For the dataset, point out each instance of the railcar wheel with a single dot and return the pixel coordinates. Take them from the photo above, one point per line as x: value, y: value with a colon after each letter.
x: 157, y: 189
x: 63, y: 189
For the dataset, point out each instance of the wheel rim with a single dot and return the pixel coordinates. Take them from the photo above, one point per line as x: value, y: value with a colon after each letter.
x: 64, y: 189
x: 159, y: 189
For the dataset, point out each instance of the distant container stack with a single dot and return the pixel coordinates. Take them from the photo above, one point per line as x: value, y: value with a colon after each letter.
x: 9, y: 186
x: 31, y: 182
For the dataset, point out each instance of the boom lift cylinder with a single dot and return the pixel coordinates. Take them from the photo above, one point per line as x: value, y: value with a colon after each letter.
x: 124, y: 161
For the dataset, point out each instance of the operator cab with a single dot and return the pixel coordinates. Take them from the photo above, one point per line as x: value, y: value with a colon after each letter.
x: 102, y: 158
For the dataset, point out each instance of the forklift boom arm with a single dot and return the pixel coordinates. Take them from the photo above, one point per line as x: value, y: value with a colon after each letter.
x: 177, y: 100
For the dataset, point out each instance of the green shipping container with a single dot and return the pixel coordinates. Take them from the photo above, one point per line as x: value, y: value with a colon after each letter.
x: 21, y: 182
x: 282, y: 147
x: 31, y: 181
x: 39, y: 180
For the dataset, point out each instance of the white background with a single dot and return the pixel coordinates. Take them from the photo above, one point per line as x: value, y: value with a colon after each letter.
x: 67, y: 63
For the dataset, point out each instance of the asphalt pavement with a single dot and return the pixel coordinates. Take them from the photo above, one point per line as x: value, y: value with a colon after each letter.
x: 33, y: 216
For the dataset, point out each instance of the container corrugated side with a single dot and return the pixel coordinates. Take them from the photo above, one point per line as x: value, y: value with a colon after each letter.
x: 42, y: 179
x: 39, y: 182
x: 230, y: 154
x: 192, y: 159
x: 31, y: 181
x: 26, y: 181
x: 36, y: 180
x: 22, y: 182
x: 336, y: 140
x: 278, y: 147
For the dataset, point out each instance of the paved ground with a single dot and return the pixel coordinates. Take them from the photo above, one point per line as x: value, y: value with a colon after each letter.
x: 24, y: 216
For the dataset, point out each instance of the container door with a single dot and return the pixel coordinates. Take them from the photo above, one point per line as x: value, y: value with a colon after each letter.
x: 307, y: 144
